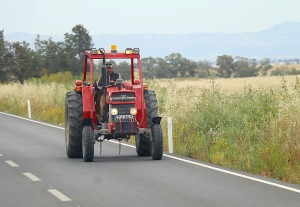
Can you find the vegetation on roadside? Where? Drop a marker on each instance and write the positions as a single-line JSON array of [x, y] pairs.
[[47, 100], [254, 129]]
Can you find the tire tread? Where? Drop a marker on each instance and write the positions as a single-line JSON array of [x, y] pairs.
[[73, 118]]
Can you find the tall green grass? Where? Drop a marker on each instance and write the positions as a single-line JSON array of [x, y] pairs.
[[254, 130]]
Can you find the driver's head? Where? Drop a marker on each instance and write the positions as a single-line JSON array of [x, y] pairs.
[[109, 67]]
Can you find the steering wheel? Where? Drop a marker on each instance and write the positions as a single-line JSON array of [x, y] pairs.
[[111, 84]]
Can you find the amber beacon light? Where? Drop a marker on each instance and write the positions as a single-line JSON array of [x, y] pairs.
[[113, 48]]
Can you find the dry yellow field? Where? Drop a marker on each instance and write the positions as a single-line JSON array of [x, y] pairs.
[[289, 66], [234, 84]]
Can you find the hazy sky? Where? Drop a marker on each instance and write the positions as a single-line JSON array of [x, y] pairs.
[[145, 16]]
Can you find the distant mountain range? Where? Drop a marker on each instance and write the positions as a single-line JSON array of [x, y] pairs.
[[279, 42]]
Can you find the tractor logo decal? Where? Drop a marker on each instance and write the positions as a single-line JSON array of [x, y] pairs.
[[123, 97]]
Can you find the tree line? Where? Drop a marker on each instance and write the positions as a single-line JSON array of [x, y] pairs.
[[19, 62]]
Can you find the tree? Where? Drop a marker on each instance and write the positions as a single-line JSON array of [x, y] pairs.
[[174, 61], [3, 63], [188, 68], [226, 67], [75, 45], [149, 66], [155, 68], [22, 61], [148, 63], [162, 70], [244, 67], [124, 69], [264, 66], [180, 66], [203, 69], [50, 55]]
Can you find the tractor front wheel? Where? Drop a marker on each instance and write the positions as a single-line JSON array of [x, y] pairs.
[[156, 142], [156, 136], [142, 144], [88, 142]]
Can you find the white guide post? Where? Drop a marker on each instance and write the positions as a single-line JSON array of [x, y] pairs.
[[170, 138], [29, 109]]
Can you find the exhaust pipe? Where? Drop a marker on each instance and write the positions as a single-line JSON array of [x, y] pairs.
[[103, 73]]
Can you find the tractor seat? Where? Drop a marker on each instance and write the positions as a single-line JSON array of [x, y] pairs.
[[137, 82]]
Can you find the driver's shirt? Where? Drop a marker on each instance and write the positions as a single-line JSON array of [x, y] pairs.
[[110, 77]]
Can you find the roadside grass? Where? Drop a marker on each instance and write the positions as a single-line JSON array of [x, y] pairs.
[[250, 129], [249, 124], [47, 100]]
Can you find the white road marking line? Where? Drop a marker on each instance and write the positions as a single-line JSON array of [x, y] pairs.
[[236, 174], [59, 195], [188, 161], [1, 155], [117, 142], [224, 171], [11, 163], [32, 120], [31, 176]]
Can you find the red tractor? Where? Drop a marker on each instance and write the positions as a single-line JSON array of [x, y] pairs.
[[131, 109]]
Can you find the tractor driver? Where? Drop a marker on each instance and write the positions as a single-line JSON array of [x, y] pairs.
[[112, 76]]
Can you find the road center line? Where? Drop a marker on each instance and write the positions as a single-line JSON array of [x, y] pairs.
[[188, 161], [11, 163], [59, 195], [31, 176]]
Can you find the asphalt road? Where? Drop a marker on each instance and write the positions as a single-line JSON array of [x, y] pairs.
[[35, 172]]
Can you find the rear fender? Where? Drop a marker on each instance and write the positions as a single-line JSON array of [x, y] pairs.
[[156, 120]]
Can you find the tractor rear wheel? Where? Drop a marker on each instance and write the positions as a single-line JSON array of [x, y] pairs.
[[142, 143], [88, 142], [73, 124], [156, 140], [151, 106]]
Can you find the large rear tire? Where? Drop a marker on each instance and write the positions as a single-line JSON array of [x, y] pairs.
[[151, 106], [142, 143], [156, 140], [73, 124], [88, 142]]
